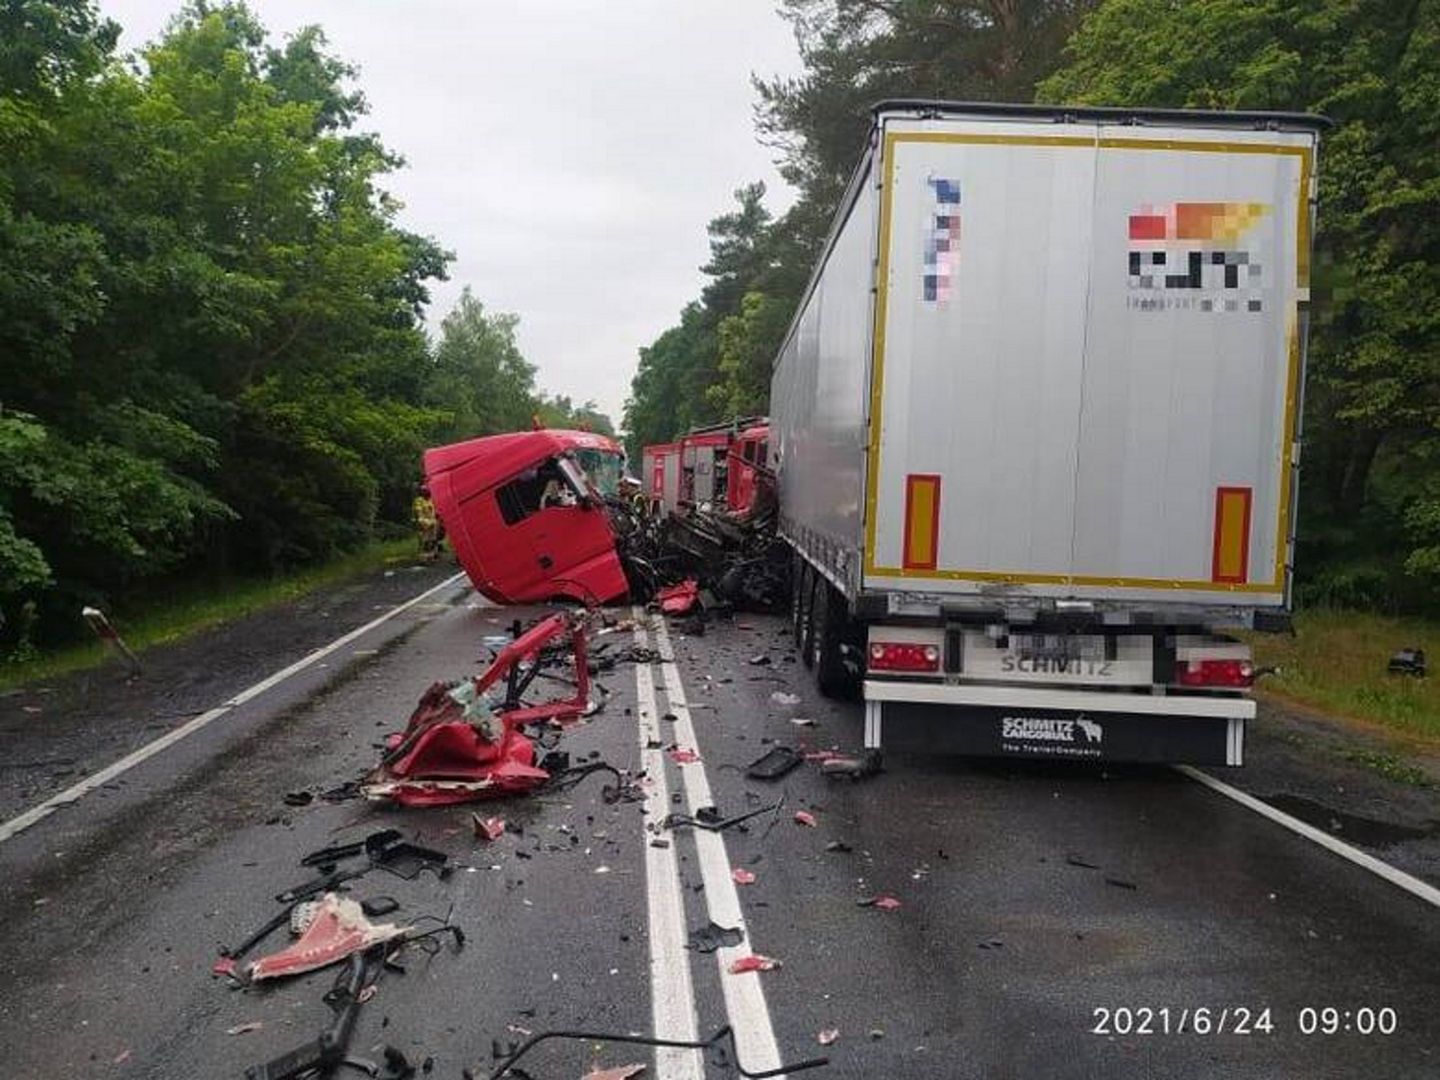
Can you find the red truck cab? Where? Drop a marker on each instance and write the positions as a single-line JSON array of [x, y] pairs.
[[748, 452], [525, 515]]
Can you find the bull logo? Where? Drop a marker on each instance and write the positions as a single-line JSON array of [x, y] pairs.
[[1092, 731]]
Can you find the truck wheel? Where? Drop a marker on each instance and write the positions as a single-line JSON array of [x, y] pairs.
[[827, 635], [797, 593], [806, 630]]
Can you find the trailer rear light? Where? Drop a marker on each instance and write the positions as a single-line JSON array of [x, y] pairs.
[[1237, 673], [903, 656]]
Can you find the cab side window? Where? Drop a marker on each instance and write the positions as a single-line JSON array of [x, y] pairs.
[[527, 493]]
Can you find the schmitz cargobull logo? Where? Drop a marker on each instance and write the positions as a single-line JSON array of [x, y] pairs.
[[1067, 736], [1198, 256]]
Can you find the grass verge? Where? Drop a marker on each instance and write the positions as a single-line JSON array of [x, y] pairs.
[[180, 612], [1336, 663]]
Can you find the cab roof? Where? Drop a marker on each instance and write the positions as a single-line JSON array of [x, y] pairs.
[[497, 458]]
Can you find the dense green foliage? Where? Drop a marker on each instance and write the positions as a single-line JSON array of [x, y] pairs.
[[212, 355], [1370, 488], [1370, 493]]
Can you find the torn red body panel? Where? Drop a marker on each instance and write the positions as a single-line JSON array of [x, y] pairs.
[[679, 599], [338, 929], [461, 745]]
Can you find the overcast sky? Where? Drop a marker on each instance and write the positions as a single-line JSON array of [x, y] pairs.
[[569, 152]]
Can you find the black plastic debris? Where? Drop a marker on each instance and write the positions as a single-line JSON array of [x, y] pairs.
[[721, 1047], [333, 854], [408, 861], [774, 763], [1076, 860], [299, 798], [1121, 883], [709, 818], [1408, 662], [712, 936]]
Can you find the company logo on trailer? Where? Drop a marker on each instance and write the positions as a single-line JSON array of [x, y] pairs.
[[1048, 729], [1196, 256]]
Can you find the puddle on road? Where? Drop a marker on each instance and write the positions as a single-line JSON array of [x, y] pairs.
[[1352, 827]]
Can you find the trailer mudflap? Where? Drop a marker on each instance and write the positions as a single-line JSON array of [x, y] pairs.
[[1062, 732]]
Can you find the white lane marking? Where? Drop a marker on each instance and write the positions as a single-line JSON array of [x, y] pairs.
[[672, 997], [1414, 885], [744, 994], [83, 787]]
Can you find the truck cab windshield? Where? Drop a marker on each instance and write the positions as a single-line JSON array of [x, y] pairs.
[[604, 468]]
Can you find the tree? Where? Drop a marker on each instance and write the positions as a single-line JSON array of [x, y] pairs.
[[209, 319], [1370, 490], [480, 378]]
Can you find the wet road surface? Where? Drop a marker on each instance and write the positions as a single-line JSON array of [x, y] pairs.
[[1035, 903]]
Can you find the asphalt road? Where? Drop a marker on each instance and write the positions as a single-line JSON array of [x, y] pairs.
[[1029, 897]]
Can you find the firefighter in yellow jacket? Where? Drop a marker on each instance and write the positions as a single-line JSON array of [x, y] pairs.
[[427, 524]]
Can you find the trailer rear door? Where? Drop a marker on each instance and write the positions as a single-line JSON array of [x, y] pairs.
[[1087, 359]]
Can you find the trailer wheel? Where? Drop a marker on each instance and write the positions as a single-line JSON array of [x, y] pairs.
[[798, 569], [805, 631], [828, 626]]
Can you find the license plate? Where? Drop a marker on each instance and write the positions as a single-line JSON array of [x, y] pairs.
[[1062, 656]]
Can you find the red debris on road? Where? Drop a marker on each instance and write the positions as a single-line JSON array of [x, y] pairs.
[[338, 929], [679, 599], [753, 963]]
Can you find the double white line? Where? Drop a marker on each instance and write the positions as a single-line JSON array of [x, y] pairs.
[[671, 989]]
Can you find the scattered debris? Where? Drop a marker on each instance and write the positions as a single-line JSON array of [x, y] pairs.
[[683, 756], [753, 962], [774, 763], [1121, 883], [244, 1029], [782, 697], [721, 1045], [339, 929], [377, 906], [759, 660], [407, 860], [741, 876], [1408, 662], [709, 818], [1076, 860], [299, 798], [991, 943], [828, 1036], [802, 721], [372, 843], [839, 847], [461, 744], [622, 1072], [491, 828], [863, 765], [712, 936], [804, 817], [884, 902], [679, 599]]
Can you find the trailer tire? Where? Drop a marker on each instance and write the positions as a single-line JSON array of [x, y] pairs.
[[797, 617], [805, 631], [827, 635]]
